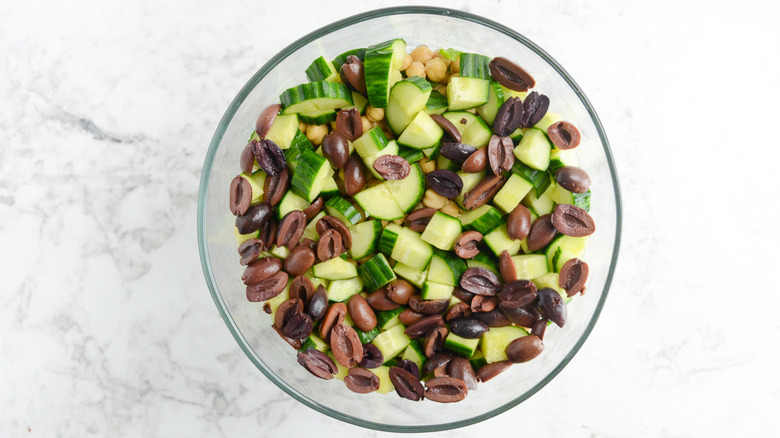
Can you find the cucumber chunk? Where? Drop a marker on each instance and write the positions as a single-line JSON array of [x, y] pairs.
[[319, 117], [365, 237], [463, 346], [371, 142], [436, 104], [366, 337], [483, 219], [377, 202], [411, 250], [335, 269], [415, 353], [410, 155], [474, 131], [407, 98], [412, 275], [499, 241], [446, 268], [495, 341], [315, 96], [465, 93], [341, 59], [530, 266], [386, 319], [422, 133], [563, 196], [473, 65], [514, 190], [381, 65], [343, 210], [390, 149], [534, 149], [290, 202], [496, 98], [388, 238], [257, 182], [540, 179], [436, 291], [310, 175], [573, 247], [283, 130], [342, 290], [392, 342], [541, 205], [321, 70], [385, 384], [470, 180], [442, 231], [408, 192], [299, 144], [376, 272]]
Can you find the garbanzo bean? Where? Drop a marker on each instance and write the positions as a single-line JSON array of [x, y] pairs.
[[421, 54], [375, 114], [416, 69], [315, 133], [407, 62], [436, 69], [434, 200]]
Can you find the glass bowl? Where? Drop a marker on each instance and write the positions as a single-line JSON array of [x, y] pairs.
[[251, 327]]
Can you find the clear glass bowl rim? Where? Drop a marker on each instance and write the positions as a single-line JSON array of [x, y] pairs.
[[230, 113]]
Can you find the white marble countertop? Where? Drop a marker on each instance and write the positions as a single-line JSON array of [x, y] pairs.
[[108, 329]]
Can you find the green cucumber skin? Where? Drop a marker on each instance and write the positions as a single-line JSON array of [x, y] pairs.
[[303, 178], [366, 337], [378, 67], [376, 272], [437, 103], [345, 208], [299, 144], [582, 200], [410, 155], [473, 65], [540, 179], [383, 316], [320, 70], [319, 119], [341, 59], [457, 265], [387, 240], [315, 90]]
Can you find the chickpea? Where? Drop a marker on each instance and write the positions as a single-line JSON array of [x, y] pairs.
[[315, 133], [302, 126], [422, 54], [436, 69], [407, 62], [428, 166], [375, 114], [434, 200], [399, 221], [366, 123], [455, 65], [416, 69], [451, 209]]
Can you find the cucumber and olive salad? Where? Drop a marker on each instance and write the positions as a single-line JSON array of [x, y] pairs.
[[413, 222]]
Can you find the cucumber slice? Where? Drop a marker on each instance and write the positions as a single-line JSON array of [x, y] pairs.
[[480, 264], [290, 202], [572, 247], [410, 155], [495, 341], [359, 102], [280, 252], [415, 353], [442, 231], [541, 205], [473, 65], [412, 275], [474, 131], [444, 163], [499, 241], [407, 98], [422, 133], [465, 93], [436, 291], [241, 238], [436, 104], [408, 192], [446, 268], [371, 142], [335, 269], [299, 144], [315, 342], [310, 232], [530, 266], [381, 65], [342, 290], [512, 93], [463, 346], [376, 272], [283, 130], [477, 360], [540, 179], [483, 219], [550, 280], [496, 98], [343, 210], [377, 202], [315, 96], [330, 188], [321, 70], [385, 384], [514, 190], [560, 158], [534, 149], [388, 238], [470, 180], [411, 250], [319, 117], [310, 175], [392, 342], [390, 149], [366, 337], [257, 182], [548, 119], [341, 59], [563, 196], [365, 237], [387, 319]]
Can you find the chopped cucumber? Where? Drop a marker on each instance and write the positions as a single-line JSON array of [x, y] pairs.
[[550, 280], [473, 65], [473, 130], [319, 117], [391, 342], [335, 269], [415, 353], [290, 202], [534, 149], [563, 196], [410, 155], [462, 346], [436, 291], [465, 93], [342, 290], [548, 119], [315, 342], [442, 231], [496, 98], [382, 64], [436, 104], [280, 252], [343, 210], [560, 158], [495, 341], [241, 238], [514, 190], [530, 266], [299, 144], [477, 360], [365, 236], [407, 98], [385, 384], [257, 182], [342, 370], [408, 192], [330, 188], [388, 238], [483, 219], [276, 301], [377, 202], [387, 319], [341, 59], [310, 232], [411, 250], [470, 180], [371, 142], [446, 268], [499, 241], [412, 275], [376, 272], [310, 175], [540, 179], [315, 96], [540, 204], [574, 247], [422, 133], [283, 130], [366, 337], [321, 70]]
